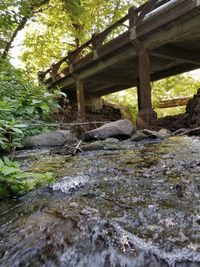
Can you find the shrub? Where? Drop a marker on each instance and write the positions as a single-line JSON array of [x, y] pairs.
[[21, 101], [14, 182]]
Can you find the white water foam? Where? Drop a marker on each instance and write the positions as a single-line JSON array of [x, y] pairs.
[[69, 184]]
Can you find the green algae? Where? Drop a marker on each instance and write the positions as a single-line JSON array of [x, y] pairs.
[[60, 166]]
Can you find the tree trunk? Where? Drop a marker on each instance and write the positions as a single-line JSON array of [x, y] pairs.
[[20, 26]]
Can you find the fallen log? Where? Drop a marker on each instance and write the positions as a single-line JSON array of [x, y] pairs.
[[176, 102]]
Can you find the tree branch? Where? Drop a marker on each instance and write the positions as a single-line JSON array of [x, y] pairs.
[[16, 31], [21, 25]]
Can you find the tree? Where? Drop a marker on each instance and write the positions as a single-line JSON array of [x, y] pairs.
[[66, 25], [169, 88], [13, 19]]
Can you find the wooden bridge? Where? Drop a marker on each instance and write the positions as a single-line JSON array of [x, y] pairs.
[[159, 39]]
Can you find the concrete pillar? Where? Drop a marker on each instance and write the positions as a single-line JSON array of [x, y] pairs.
[[146, 114], [93, 103], [80, 97]]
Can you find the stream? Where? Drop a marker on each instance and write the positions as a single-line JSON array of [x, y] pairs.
[[135, 206]]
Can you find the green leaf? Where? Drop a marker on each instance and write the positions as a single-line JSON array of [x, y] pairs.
[[21, 125], [16, 130], [6, 161], [35, 101], [8, 171]]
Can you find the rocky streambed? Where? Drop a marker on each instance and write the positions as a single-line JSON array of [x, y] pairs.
[[125, 204]]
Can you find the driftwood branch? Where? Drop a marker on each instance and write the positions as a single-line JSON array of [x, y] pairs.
[[77, 148]]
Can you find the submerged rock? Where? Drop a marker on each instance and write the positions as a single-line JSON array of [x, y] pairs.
[[139, 136], [108, 144], [50, 139], [118, 129], [146, 134]]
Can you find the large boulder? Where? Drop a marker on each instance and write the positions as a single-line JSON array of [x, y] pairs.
[[50, 139], [120, 129]]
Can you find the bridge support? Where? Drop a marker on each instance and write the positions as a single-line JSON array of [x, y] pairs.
[[146, 114], [80, 98], [93, 103]]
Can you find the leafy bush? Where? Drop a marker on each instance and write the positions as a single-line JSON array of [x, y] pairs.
[[21, 98], [14, 182], [10, 134], [169, 88], [21, 101]]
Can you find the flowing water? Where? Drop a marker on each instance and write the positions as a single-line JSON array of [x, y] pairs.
[[137, 206]]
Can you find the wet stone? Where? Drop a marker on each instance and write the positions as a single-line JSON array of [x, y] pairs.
[[49, 139], [121, 129], [148, 135]]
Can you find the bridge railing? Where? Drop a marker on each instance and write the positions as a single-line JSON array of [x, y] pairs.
[[133, 19]]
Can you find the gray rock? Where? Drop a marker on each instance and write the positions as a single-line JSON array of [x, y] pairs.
[[152, 134], [118, 129], [50, 139], [165, 132], [139, 136], [146, 134], [108, 144]]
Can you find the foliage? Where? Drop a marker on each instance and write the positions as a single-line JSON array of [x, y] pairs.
[[21, 101], [10, 134], [21, 97], [32, 130], [14, 15], [47, 40], [172, 87], [14, 182], [126, 98]]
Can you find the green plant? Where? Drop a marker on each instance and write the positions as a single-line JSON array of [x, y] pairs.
[[21, 101], [35, 130], [21, 98], [10, 134], [14, 182]]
